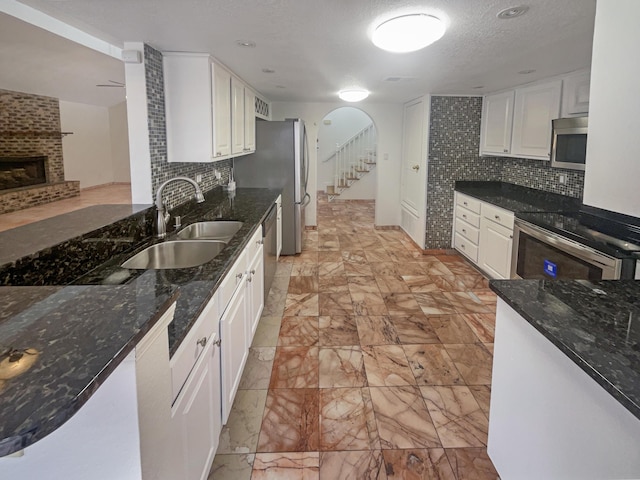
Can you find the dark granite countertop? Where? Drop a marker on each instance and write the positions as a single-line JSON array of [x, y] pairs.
[[83, 330], [516, 198], [595, 323]]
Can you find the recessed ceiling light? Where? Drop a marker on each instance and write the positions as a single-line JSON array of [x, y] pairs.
[[354, 95], [408, 33], [526, 72], [246, 43], [268, 70], [512, 12]]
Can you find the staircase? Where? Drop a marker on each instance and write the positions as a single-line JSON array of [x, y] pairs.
[[353, 159]]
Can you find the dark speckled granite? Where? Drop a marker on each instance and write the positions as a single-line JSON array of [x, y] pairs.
[[516, 198], [84, 331], [81, 334], [595, 323]]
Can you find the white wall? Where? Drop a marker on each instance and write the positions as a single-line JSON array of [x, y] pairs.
[[387, 119], [119, 143], [613, 150], [345, 123], [87, 153]]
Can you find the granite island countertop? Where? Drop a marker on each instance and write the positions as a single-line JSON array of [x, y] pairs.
[[596, 324], [66, 324]]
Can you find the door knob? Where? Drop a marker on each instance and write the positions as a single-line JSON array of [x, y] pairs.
[[416, 167]]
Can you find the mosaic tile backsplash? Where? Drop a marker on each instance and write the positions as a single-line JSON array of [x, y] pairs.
[[454, 143], [161, 169]]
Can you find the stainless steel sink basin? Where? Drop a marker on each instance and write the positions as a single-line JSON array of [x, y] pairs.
[[176, 254], [222, 230]]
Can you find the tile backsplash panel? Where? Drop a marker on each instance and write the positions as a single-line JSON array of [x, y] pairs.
[[539, 174], [161, 169], [454, 143]]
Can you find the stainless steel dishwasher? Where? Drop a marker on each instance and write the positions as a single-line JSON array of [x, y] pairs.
[[269, 237]]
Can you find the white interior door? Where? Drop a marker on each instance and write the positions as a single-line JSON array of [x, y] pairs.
[[414, 169]]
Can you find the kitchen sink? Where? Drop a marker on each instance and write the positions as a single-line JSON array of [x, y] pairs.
[[175, 254], [221, 230]]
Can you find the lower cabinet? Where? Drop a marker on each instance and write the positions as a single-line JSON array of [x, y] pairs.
[[255, 294], [233, 331], [483, 233], [197, 414], [279, 227]]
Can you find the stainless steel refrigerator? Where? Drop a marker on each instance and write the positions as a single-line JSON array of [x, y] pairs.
[[281, 161]]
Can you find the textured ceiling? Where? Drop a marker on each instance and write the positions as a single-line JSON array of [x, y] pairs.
[[318, 47]]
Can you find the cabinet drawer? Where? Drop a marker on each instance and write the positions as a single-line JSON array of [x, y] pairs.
[[232, 280], [193, 345], [498, 215], [468, 231], [468, 202], [468, 216], [253, 247], [465, 246]]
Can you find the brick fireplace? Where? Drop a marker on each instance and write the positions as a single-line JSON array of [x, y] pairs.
[[30, 135]]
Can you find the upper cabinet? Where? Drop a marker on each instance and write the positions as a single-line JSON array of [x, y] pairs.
[[517, 123], [205, 110], [497, 122], [533, 110], [575, 94], [243, 118]]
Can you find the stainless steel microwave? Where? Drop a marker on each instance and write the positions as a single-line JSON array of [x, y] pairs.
[[569, 147]]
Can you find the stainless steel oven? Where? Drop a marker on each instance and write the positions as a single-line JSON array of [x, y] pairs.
[[541, 254]]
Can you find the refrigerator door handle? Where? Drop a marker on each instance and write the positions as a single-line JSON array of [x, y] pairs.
[[306, 200]]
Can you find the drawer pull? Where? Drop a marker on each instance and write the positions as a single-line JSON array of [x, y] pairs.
[[253, 271], [462, 246], [464, 230], [464, 216], [497, 217], [218, 342], [239, 275], [506, 151], [218, 154], [464, 203], [202, 342], [259, 242], [249, 279]]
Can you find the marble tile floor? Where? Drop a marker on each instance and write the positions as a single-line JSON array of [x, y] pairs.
[[112, 194], [371, 361]]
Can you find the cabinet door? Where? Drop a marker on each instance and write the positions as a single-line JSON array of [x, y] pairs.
[[249, 121], [221, 111], [534, 109], [497, 121], [255, 294], [575, 94], [279, 228], [496, 242], [237, 116], [233, 332], [197, 414]]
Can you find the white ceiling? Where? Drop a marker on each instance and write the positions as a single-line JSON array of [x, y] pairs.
[[318, 47]]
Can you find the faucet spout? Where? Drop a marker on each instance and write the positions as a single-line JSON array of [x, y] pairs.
[[161, 223]]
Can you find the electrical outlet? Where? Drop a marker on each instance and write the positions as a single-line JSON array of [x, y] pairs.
[[198, 178], [562, 179]]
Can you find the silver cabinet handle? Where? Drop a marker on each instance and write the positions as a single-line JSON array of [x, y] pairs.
[[462, 245], [464, 230], [249, 279], [464, 203], [218, 342], [497, 217], [218, 154], [259, 242], [239, 275], [416, 167], [464, 216], [253, 272], [202, 342], [506, 151]]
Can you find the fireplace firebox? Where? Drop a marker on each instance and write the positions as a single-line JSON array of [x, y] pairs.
[[16, 172]]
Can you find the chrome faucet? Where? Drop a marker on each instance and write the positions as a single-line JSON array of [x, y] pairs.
[[163, 217]]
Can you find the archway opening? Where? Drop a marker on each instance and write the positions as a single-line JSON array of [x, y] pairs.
[[346, 156]]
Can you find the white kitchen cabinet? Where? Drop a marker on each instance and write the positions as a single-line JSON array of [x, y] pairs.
[[197, 108], [496, 241], [278, 226], [466, 237], [197, 414], [575, 94], [534, 108], [497, 123], [243, 118], [255, 292]]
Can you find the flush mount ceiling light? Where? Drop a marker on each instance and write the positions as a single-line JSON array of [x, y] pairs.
[[512, 12], [246, 43], [408, 33], [354, 95]]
